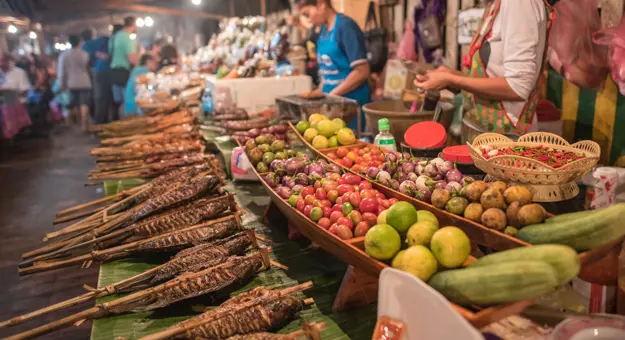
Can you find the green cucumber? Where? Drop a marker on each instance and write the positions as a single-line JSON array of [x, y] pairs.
[[571, 216], [496, 283], [598, 238], [563, 259], [562, 231]]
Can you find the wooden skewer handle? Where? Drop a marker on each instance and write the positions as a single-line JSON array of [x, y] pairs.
[[47, 328]]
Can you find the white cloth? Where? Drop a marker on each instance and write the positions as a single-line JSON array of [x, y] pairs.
[[15, 79], [517, 45]]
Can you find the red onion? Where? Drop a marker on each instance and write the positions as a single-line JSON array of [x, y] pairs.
[[294, 165], [284, 192], [440, 185]]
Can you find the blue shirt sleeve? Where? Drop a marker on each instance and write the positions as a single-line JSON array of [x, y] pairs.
[[90, 48], [351, 40]]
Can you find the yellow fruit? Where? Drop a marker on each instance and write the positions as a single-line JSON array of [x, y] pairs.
[[315, 117], [382, 217], [450, 246], [418, 261], [320, 142], [327, 128], [421, 233], [333, 142], [310, 134], [346, 136], [339, 122]]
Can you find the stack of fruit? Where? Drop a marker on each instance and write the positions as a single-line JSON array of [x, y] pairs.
[[344, 205], [264, 149], [357, 159], [324, 133], [436, 256], [278, 131], [494, 204]]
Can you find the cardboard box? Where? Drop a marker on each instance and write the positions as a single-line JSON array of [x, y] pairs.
[[400, 75]]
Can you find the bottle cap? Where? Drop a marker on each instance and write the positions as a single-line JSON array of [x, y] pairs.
[[383, 124]]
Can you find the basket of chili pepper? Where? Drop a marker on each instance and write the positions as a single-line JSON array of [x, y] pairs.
[[544, 161]]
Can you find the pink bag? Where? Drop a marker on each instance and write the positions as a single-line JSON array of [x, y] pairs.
[[406, 49], [571, 50], [614, 38]]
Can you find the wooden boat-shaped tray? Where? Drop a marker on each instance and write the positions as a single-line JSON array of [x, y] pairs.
[[477, 232]]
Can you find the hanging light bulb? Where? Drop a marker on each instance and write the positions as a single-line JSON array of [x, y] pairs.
[[68, 45], [110, 28], [133, 36], [12, 29], [196, 2], [149, 22], [140, 22], [32, 35]]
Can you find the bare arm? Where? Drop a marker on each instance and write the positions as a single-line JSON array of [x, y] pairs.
[[358, 75], [133, 58], [488, 88], [102, 55]]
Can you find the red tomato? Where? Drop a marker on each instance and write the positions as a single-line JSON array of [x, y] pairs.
[[346, 162], [367, 194], [355, 149], [365, 185], [337, 207], [332, 228], [393, 200], [375, 152], [324, 223], [340, 181], [339, 201], [361, 152], [317, 203], [342, 151], [352, 155], [346, 222], [359, 160], [300, 205], [326, 203], [335, 177], [335, 215], [317, 185], [358, 168], [309, 199], [355, 200], [308, 190], [367, 149], [380, 196], [372, 164], [333, 195], [332, 155], [307, 210], [355, 216], [345, 188], [361, 229], [326, 211], [370, 205], [370, 218], [385, 203], [321, 194]]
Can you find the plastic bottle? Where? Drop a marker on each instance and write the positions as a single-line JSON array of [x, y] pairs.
[[385, 139]]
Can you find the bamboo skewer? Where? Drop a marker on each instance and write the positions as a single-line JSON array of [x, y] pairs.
[[106, 308], [68, 218], [107, 199], [180, 328]]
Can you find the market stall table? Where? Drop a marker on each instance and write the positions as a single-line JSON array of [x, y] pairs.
[[304, 263]]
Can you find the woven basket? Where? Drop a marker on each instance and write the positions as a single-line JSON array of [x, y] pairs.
[[529, 171]]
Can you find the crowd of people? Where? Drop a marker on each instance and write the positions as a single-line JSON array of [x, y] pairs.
[[86, 84]]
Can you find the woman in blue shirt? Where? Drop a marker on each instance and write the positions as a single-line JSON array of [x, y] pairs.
[[147, 64], [341, 53]]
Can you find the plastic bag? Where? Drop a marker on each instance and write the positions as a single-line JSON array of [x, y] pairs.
[[406, 48], [614, 38], [571, 50]]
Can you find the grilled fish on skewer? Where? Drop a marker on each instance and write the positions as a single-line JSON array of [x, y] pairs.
[[310, 331], [236, 270], [190, 260], [172, 241]]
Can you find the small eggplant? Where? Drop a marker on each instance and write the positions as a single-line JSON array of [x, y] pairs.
[[373, 172]]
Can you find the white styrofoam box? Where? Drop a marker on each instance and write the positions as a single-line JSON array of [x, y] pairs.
[[258, 94]]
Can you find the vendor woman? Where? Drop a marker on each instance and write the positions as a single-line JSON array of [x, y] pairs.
[[504, 61], [341, 53]]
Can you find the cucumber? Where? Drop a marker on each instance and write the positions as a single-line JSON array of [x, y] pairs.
[[562, 231], [496, 283], [598, 238], [571, 216], [563, 259]]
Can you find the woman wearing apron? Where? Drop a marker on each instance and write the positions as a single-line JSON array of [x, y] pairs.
[[341, 53], [505, 60]]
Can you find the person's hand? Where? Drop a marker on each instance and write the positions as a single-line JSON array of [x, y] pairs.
[[433, 80], [443, 68]]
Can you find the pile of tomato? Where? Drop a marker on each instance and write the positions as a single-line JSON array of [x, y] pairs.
[[357, 159]]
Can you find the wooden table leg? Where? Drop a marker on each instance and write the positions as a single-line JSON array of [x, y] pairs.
[[357, 289]]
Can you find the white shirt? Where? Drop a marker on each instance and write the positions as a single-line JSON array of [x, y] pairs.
[[15, 79], [517, 45]]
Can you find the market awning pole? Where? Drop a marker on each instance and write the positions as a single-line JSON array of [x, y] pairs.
[[263, 8]]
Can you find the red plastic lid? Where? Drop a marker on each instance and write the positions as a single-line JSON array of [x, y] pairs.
[[457, 153], [425, 135]]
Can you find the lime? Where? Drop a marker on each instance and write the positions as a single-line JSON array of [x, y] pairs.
[[421, 233], [382, 242], [339, 122], [327, 128], [302, 126], [382, 217], [401, 216], [425, 215], [450, 246], [418, 261]]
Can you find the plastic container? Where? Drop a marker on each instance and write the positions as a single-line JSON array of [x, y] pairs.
[[428, 153], [384, 139], [400, 118], [426, 135], [461, 156]]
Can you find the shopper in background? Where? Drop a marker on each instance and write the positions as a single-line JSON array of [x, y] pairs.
[[157, 45], [102, 87], [13, 87], [74, 76], [147, 63], [123, 52], [168, 56], [341, 53]]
